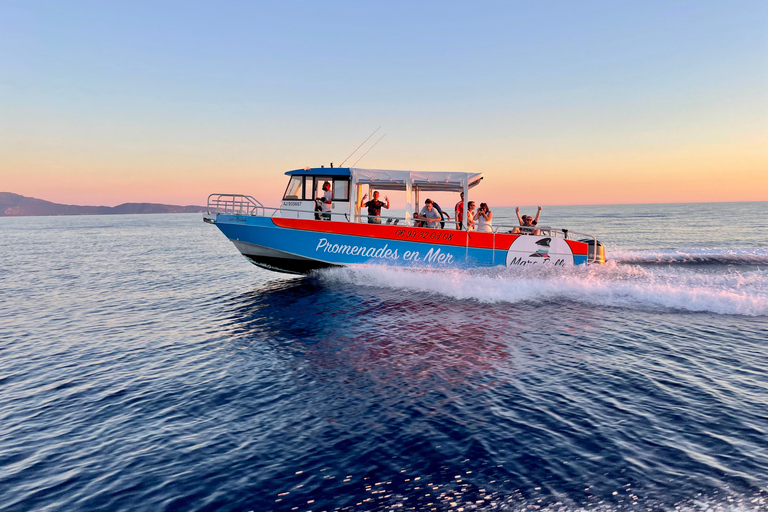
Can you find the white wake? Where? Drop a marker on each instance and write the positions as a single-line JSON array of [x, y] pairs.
[[692, 288]]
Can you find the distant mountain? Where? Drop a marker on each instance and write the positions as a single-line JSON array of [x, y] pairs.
[[15, 205]]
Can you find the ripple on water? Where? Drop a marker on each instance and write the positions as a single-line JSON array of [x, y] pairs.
[[139, 371]]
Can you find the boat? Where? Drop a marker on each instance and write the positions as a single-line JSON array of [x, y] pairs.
[[298, 237]]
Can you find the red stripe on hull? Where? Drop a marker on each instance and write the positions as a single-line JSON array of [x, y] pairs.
[[413, 234], [578, 248], [406, 233]]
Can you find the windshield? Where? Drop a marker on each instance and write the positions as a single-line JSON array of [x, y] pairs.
[[294, 190]]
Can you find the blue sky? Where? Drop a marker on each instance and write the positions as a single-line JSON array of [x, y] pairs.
[[111, 97]]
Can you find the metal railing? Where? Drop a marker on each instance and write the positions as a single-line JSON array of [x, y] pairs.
[[238, 204], [235, 204], [514, 229]]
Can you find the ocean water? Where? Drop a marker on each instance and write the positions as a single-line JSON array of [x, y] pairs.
[[146, 365]]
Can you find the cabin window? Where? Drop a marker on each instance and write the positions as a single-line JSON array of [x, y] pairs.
[[319, 181], [294, 190], [309, 186], [339, 187], [341, 190]]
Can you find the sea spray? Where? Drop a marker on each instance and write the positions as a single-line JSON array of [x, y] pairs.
[[692, 256], [611, 285]]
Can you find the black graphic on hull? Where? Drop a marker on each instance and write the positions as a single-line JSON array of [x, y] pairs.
[[539, 250], [543, 252]]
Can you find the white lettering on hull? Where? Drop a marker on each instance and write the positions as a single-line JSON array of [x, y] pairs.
[[434, 256]]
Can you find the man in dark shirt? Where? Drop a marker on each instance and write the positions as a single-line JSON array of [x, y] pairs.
[[374, 208]]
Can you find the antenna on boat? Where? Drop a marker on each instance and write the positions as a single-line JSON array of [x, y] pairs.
[[361, 145], [369, 150]]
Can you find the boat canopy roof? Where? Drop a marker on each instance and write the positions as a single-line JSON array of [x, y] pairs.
[[321, 171], [399, 180]]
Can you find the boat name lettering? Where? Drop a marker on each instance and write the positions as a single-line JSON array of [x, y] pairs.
[[424, 234], [434, 255], [357, 250], [544, 261], [237, 219], [291, 203]]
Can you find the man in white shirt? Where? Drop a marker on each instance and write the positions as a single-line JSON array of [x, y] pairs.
[[325, 201], [429, 215]]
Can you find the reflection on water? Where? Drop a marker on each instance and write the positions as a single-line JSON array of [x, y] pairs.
[[404, 337], [145, 365], [535, 402]]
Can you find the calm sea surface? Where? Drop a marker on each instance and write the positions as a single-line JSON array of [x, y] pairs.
[[146, 365]]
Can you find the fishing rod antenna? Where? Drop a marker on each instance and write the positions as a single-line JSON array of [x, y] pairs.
[[369, 149], [361, 145]]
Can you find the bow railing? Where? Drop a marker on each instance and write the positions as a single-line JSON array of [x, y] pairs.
[[235, 204]]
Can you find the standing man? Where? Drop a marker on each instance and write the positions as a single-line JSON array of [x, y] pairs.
[[326, 201], [459, 210], [374, 207]]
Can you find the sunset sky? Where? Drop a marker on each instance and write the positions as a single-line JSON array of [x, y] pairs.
[[572, 102]]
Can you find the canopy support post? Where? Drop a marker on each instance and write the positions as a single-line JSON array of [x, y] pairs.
[[408, 204], [465, 185]]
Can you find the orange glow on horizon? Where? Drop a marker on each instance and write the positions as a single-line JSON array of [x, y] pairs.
[[732, 173]]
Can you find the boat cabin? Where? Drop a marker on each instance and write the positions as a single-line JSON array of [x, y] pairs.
[[349, 185]]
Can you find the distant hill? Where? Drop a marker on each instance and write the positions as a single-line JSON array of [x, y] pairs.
[[15, 205]]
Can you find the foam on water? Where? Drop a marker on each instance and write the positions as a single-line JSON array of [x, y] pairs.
[[735, 291], [708, 256]]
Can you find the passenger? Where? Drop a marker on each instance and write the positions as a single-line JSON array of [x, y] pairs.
[[417, 223], [527, 223], [325, 201], [484, 218], [374, 208], [471, 215], [429, 216], [459, 211], [439, 211]]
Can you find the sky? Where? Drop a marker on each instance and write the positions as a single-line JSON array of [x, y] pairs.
[[557, 102]]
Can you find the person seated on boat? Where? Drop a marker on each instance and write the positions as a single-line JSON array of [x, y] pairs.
[[459, 211], [417, 223], [526, 226], [484, 219], [527, 223], [325, 201], [471, 216], [374, 208], [429, 216]]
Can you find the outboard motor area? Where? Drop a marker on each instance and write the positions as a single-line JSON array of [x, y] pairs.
[[596, 251]]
